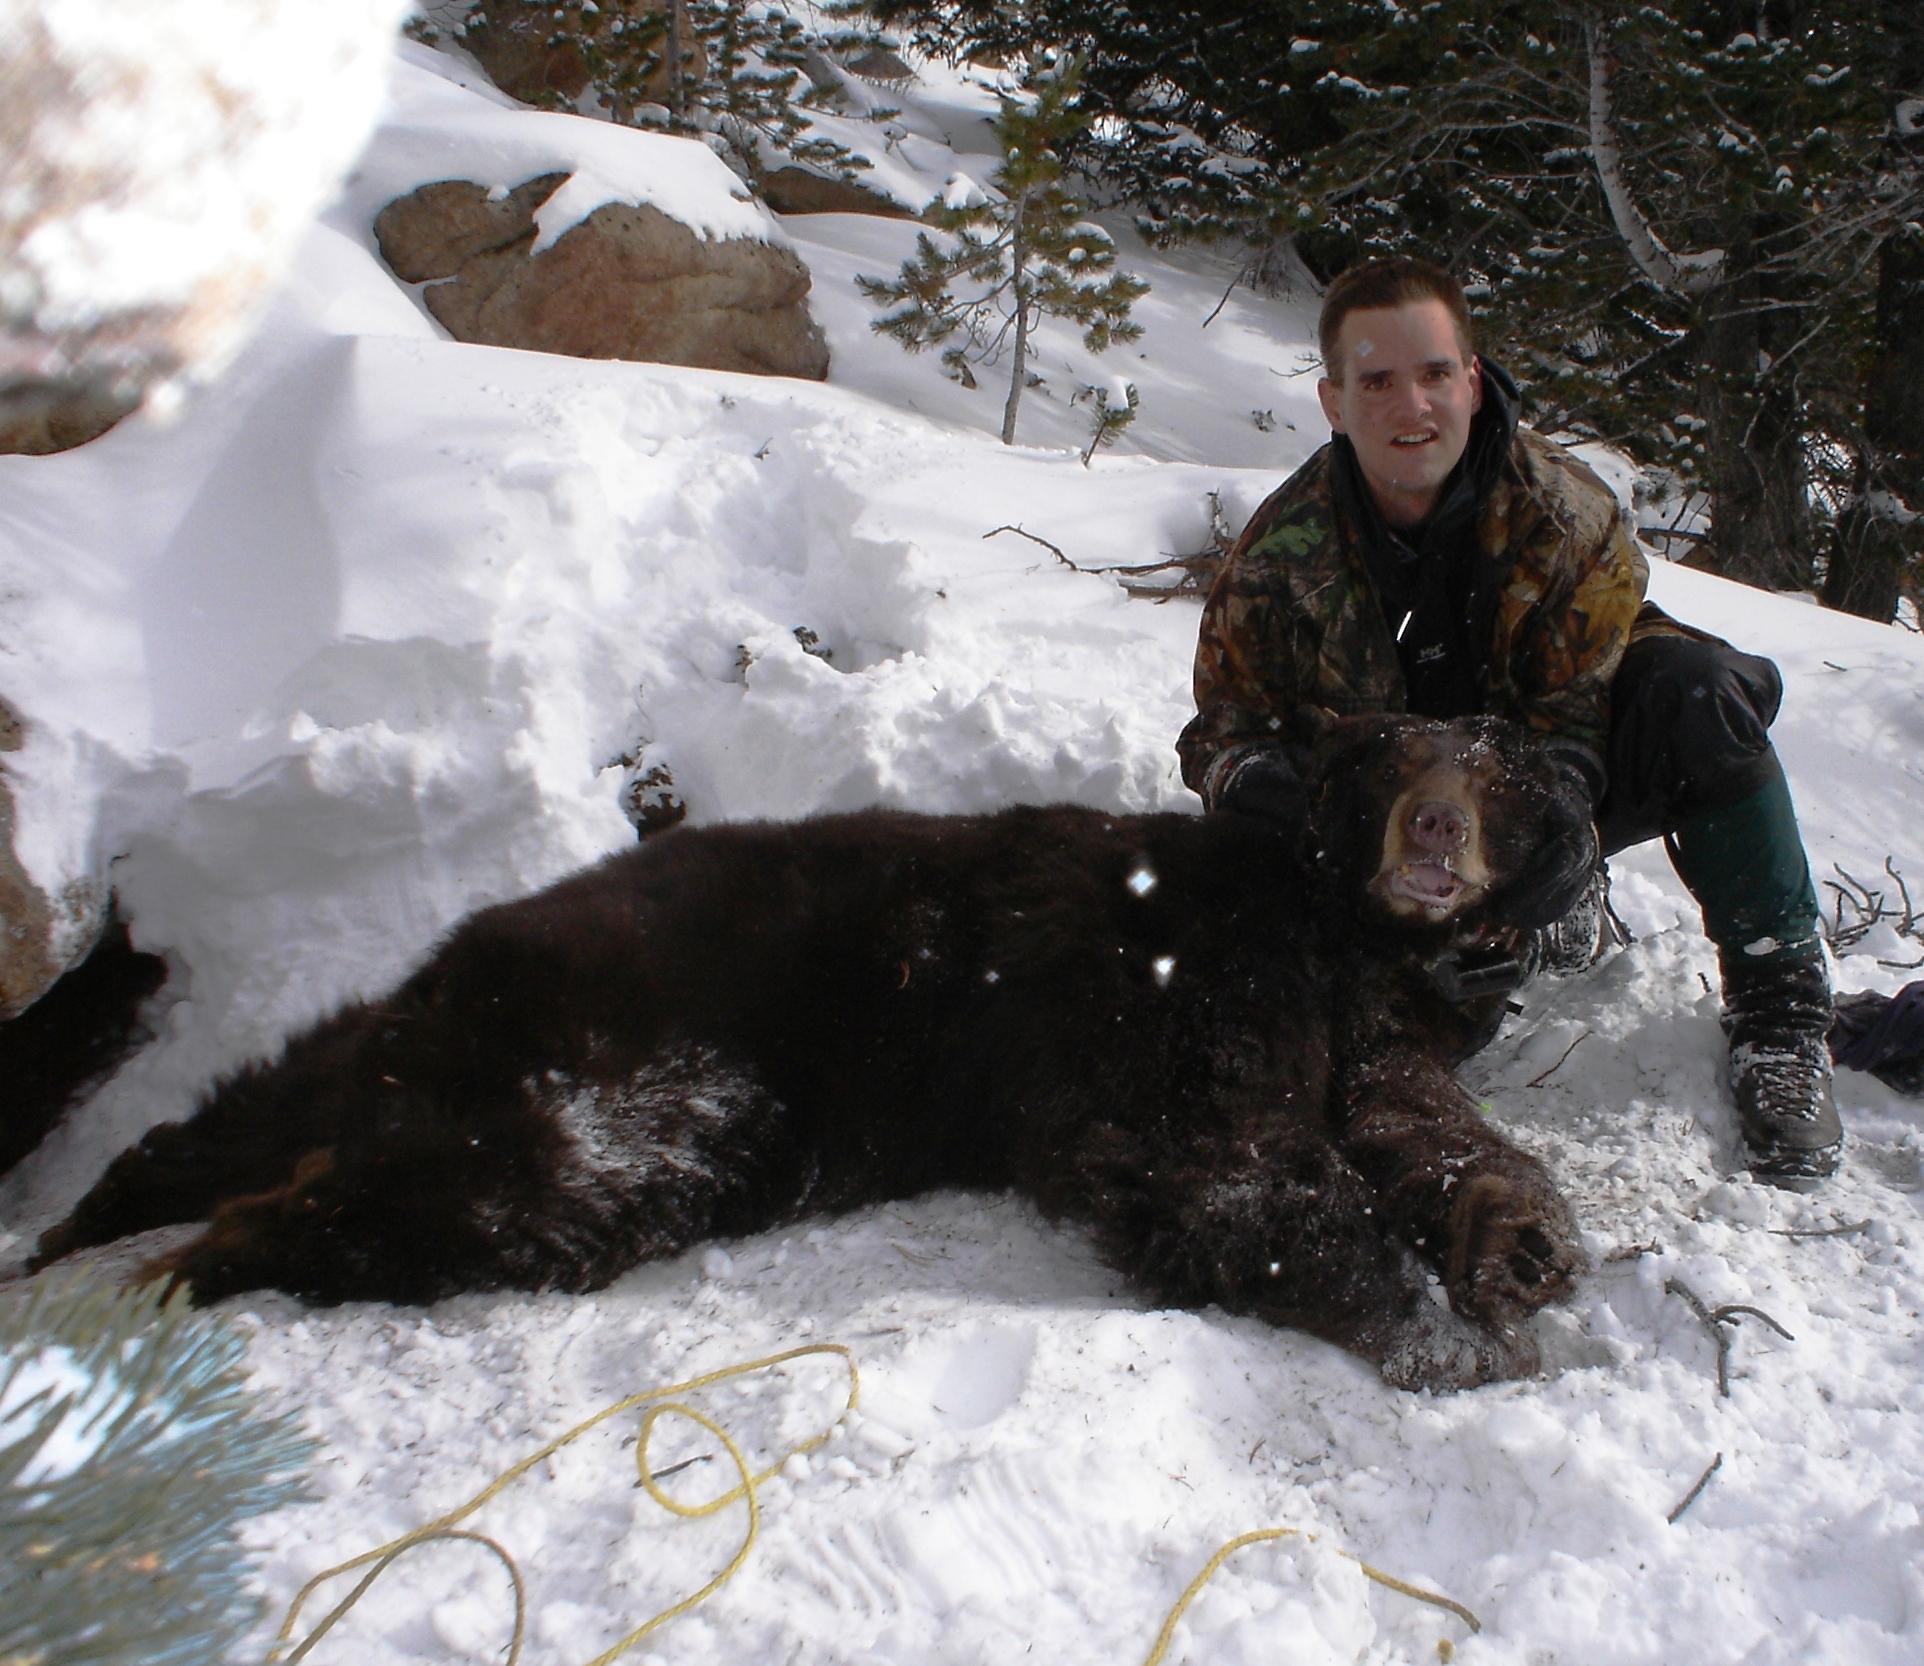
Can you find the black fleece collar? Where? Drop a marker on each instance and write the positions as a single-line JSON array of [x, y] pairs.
[[1432, 580]]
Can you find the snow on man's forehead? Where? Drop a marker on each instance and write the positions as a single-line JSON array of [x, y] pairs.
[[1365, 347]]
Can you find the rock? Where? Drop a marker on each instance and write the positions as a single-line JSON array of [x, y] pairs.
[[433, 232], [884, 64], [40, 935], [626, 282], [72, 1037], [795, 190], [59, 416], [525, 59], [524, 62]]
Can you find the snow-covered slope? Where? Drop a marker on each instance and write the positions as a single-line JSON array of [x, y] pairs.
[[376, 632]]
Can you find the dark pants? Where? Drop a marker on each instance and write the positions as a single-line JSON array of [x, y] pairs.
[[1689, 733]]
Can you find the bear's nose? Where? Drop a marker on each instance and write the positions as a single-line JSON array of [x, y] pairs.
[[1439, 826]]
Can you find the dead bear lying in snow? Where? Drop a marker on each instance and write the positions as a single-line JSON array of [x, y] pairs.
[[1208, 1039]]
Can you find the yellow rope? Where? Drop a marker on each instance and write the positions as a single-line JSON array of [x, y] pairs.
[[1263, 1534], [746, 1488], [443, 1527]]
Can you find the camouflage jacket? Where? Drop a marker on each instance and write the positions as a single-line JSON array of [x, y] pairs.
[[1294, 618]]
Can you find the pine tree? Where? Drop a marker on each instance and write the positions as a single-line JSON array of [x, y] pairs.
[[737, 69], [1180, 96], [1010, 260], [758, 56], [130, 1447], [1770, 146], [1669, 216]]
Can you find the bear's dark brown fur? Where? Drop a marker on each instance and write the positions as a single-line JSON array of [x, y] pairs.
[[1210, 1039]]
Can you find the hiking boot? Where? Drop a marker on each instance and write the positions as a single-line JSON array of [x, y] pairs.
[[1777, 1018]]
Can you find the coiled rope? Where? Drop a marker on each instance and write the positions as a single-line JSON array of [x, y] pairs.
[[661, 1404]]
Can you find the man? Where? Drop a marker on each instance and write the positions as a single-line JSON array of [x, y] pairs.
[[1436, 557]]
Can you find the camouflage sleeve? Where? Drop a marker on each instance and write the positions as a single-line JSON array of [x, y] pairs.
[[1248, 672], [1572, 600]]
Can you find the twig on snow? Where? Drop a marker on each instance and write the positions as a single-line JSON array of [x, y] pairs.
[[1690, 1497], [1632, 1252], [1870, 908], [1538, 1081], [1712, 1319], [1198, 570], [1044, 542]]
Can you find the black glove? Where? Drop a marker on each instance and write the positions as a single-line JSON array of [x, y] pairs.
[[1267, 784], [1568, 855]]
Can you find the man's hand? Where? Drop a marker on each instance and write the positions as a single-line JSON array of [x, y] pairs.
[[1567, 857], [1267, 784]]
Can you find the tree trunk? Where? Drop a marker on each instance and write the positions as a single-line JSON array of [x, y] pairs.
[[1880, 535], [1763, 530], [677, 90], [1019, 288], [1881, 532]]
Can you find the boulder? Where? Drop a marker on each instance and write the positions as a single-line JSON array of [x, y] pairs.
[[795, 190], [433, 232], [527, 59], [57, 416], [40, 935], [626, 282], [884, 64]]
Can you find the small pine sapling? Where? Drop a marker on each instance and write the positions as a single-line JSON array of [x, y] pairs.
[[130, 1447], [1010, 260], [1108, 419]]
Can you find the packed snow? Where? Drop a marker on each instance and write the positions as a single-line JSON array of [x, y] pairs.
[[381, 628]]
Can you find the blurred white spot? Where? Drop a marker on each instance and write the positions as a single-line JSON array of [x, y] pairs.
[[1142, 882], [1164, 966]]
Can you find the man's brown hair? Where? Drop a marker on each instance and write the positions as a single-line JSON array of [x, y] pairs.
[[1393, 281]]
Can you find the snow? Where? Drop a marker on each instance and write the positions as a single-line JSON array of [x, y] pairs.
[[375, 632], [439, 110]]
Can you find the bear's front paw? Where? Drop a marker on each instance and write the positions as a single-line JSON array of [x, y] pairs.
[[1435, 1349], [1513, 1249]]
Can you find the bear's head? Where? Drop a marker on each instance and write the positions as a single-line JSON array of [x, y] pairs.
[[1426, 823]]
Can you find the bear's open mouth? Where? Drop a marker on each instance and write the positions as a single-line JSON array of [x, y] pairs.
[[1429, 884]]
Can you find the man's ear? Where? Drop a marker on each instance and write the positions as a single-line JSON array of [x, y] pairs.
[[1332, 399], [1476, 384]]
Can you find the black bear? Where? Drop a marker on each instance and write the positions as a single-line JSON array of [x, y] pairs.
[[1211, 1039]]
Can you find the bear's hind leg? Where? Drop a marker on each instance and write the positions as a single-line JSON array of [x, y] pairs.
[[552, 1183], [182, 1171]]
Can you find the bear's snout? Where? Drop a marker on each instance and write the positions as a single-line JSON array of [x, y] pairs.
[[1440, 827], [1434, 864]]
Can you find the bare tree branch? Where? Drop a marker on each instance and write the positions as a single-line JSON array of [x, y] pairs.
[[1685, 275]]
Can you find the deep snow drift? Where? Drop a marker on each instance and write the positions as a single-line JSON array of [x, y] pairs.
[[377, 632]]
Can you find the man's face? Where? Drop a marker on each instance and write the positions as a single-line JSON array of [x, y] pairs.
[[1406, 397]]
